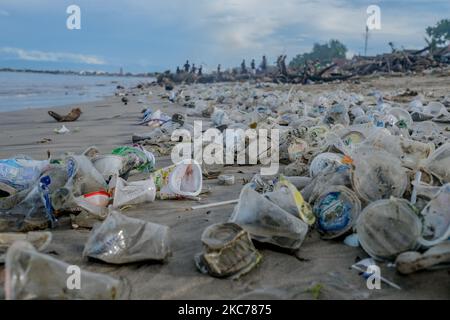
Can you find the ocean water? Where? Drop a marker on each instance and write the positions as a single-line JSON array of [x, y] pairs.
[[19, 90]]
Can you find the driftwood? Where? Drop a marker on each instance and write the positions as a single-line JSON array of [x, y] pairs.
[[399, 61]]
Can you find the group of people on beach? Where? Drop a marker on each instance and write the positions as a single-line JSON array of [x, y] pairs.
[[188, 68]]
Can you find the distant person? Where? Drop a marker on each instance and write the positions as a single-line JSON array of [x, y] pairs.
[[200, 71], [243, 67], [194, 69], [263, 65], [283, 65], [219, 67], [253, 66], [178, 70], [187, 66], [279, 63]]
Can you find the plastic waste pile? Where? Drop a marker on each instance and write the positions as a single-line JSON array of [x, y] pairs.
[[365, 166], [361, 169]]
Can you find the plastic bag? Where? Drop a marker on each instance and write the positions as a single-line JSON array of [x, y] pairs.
[[30, 275], [21, 173], [387, 228], [228, 251], [120, 239], [132, 193], [267, 222], [141, 159], [179, 181]]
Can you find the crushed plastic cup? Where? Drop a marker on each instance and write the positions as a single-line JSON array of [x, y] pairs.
[[353, 139], [322, 162], [226, 179], [434, 258], [99, 198], [337, 114], [30, 275], [335, 175], [83, 176], [411, 153], [377, 175], [179, 181], [436, 218], [296, 149], [93, 204], [228, 251], [336, 210], [428, 131], [110, 165], [39, 239], [401, 115], [434, 108], [438, 163], [219, 118], [267, 222], [121, 239], [286, 196], [133, 193], [388, 227]]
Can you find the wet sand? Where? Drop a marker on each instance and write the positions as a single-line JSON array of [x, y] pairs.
[[108, 123]]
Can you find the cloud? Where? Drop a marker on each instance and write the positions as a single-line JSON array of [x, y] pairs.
[[4, 13], [34, 55]]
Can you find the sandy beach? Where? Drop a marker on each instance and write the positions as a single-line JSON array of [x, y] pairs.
[[107, 124]]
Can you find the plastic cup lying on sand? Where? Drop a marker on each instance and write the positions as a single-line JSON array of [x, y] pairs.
[[438, 163], [377, 175], [121, 239], [110, 165], [179, 181], [336, 209], [436, 218], [228, 251], [322, 162], [389, 227], [99, 198], [267, 222], [83, 176], [30, 275], [287, 196], [133, 193]]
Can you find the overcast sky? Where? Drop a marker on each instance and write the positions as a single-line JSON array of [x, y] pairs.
[[151, 35]]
